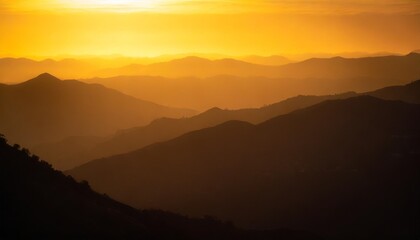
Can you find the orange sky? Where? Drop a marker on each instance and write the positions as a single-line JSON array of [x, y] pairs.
[[231, 27]]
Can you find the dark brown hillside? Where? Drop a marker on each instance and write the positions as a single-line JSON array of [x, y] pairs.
[[343, 168], [409, 93], [38, 202]]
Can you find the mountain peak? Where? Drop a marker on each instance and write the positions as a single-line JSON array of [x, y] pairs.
[[44, 78], [47, 76], [214, 109]]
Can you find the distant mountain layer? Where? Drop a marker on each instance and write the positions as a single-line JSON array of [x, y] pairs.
[[14, 70], [336, 67], [192, 66], [202, 84], [40, 203], [199, 83], [342, 168], [48, 109], [75, 151], [273, 60]]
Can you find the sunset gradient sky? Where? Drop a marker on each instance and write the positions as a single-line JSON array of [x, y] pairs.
[[231, 27]]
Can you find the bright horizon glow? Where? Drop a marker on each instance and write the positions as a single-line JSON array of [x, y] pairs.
[[118, 5], [219, 6], [225, 27]]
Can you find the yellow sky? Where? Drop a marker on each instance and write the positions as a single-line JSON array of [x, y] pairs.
[[232, 27], [206, 6]]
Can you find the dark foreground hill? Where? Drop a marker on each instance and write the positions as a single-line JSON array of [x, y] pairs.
[[38, 202], [47, 109], [342, 168]]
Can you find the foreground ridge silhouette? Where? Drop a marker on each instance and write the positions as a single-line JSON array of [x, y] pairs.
[[40, 202]]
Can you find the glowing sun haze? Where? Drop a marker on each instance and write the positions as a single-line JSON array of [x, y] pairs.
[[110, 4], [295, 6], [230, 27]]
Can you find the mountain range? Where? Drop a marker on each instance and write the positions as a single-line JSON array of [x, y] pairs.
[[334, 67], [346, 169], [15, 70], [340, 166], [273, 60], [201, 84], [193, 66], [47, 109], [74, 151], [77, 150]]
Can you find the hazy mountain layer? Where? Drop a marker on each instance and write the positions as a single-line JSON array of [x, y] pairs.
[[75, 151], [202, 84], [344, 168], [15, 70], [274, 60], [48, 109]]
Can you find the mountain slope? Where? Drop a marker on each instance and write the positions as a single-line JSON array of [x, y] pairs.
[[335, 67], [48, 109], [73, 151], [409, 93], [40, 203], [274, 60], [202, 84], [386, 67], [13, 70], [224, 91], [192, 66], [342, 168]]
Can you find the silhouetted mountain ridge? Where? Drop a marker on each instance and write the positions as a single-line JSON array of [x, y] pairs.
[[235, 85], [164, 129], [15, 70], [347, 169], [43, 78], [191, 60], [408, 93], [192, 66], [47, 109], [41, 203], [273, 60]]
